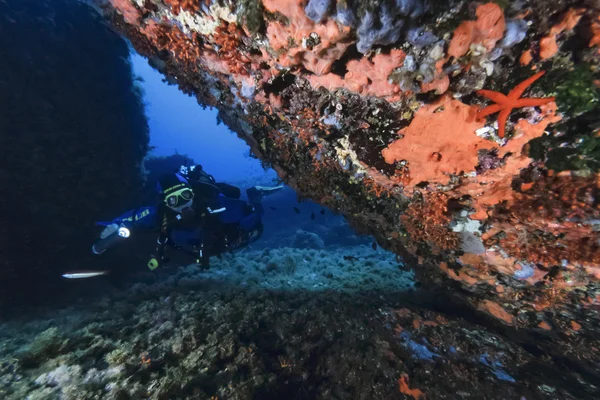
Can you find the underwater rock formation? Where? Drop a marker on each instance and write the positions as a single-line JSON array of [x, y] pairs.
[[261, 331], [307, 240], [74, 133], [381, 119]]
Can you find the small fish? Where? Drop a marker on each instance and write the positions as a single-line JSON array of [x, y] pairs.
[[312, 216], [350, 258], [272, 208], [296, 210], [83, 274], [374, 245], [322, 211]]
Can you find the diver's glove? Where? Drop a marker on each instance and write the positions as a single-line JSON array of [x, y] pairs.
[[109, 230]]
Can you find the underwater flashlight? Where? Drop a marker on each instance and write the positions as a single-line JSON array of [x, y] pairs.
[[124, 232], [101, 246]]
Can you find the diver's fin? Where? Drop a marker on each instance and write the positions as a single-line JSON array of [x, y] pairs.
[[268, 189]]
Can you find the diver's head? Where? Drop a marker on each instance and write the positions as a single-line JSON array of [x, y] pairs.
[[176, 193]]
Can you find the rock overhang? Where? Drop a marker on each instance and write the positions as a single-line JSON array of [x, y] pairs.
[[372, 108]]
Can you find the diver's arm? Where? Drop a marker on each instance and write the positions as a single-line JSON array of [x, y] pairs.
[[141, 217]]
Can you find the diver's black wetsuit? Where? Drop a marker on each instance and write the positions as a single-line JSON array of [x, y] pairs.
[[199, 230], [216, 236], [198, 175]]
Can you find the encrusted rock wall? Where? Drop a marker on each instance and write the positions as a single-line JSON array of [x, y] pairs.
[[462, 135]]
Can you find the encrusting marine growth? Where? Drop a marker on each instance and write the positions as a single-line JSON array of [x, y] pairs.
[[373, 108], [505, 104]]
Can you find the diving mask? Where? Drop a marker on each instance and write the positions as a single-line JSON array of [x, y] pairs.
[[179, 198]]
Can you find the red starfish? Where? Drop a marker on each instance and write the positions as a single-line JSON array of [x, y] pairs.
[[505, 104]]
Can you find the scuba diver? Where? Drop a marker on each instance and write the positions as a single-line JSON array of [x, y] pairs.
[[195, 214]]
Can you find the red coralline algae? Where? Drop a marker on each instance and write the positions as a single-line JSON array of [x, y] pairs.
[[428, 221], [292, 42], [170, 37], [486, 30], [489, 189], [526, 57], [548, 45], [128, 10], [461, 39], [499, 263], [546, 225], [490, 24], [439, 85], [545, 326], [462, 275], [228, 48], [308, 126], [185, 5], [497, 311], [440, 141], [405, 389], [494, 186], [151, 30], [483, 268], [366, 77]]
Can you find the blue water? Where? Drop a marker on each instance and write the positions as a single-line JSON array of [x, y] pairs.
[[179, 125]]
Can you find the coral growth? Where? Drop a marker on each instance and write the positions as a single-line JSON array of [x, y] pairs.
[[129, 11], [367, 77], [229, 49], [428, 221], [371, 108], [559, 212], [548, 44], [497, 311], [440, 141], [303, 42], [405, 389], [184, 5], [486, 30], [169, 37]]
